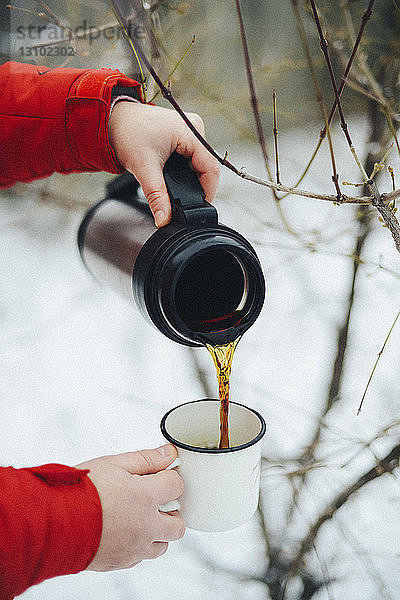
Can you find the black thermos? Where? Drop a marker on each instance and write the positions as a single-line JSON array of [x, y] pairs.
[[196, 280]]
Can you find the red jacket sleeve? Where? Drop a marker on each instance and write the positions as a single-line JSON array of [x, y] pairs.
[[56, 120], [50, 525]]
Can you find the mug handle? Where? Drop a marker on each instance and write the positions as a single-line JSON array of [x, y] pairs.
[[172, 504]]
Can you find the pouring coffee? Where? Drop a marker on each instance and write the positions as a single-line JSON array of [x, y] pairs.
[[196, 280]]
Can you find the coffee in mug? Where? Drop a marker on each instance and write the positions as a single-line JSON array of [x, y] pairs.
[[221, 484]]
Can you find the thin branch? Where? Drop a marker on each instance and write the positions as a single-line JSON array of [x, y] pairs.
[[372, 82], [324, 48], [390, 169], [256, 112], [278, 180], [385, 465], [320, 99], [180, 60], [52, 14], [387, 215], [253, 95], [366, 200], [308, 456], [365, 18], [376, 363]]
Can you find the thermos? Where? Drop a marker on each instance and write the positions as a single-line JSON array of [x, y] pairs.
[[196, 280]]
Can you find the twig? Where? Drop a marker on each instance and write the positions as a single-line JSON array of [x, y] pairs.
[[175, 67], [52, 14], [390, 169], [367, 445], [376, 363], [278, 180], [378, 166], [324, 48], [387, 215], [256, 112], [385, 465], [376, 88], [253, 95], [320, 99], [366, 17], [308, 455], [368, 200]]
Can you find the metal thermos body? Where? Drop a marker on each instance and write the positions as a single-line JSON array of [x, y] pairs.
[[195, 280]]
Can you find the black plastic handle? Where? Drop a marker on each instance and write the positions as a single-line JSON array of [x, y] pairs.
[[189, 205]]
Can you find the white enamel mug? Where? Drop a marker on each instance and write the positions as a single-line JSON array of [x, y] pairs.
[[221, 485]]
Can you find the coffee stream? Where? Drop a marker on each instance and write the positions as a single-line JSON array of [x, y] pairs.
[[222, 357]]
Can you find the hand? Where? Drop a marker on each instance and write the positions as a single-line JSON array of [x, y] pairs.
[[143, 138], [131, 487]]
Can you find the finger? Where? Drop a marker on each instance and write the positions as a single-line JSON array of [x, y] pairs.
[[164, 486], [172, 527], [197, 121], [157, 549], [144, 462], [150, 177], [209, 180], [205, 165]]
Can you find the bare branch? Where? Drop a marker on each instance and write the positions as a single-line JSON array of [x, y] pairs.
[[324, 48], [320, 100], [278, 180], [385, 465], [253, 95], [344, 80], [308, 456], [256, 112], [377, 92], [365, 18], [387, 215]]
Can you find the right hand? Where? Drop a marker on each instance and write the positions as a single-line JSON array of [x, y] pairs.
[[131, 487], [144, 137]]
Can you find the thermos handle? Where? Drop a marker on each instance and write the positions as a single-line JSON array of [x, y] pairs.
[[189, 206]]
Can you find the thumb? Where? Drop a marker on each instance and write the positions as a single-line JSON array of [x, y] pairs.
[[145, 462], [153, 185]]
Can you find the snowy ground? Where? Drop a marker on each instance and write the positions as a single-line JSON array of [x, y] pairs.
[[77, 382]]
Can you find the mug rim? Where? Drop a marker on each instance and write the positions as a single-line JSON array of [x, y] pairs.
[[185, 446]]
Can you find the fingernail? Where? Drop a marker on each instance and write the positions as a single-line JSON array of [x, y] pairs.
[[159, 217], [167, 450]]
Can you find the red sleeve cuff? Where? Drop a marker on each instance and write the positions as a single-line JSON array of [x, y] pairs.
[[50, 525], [87, 113]]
